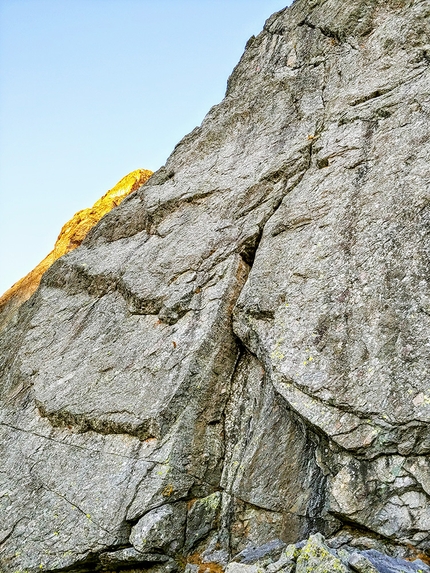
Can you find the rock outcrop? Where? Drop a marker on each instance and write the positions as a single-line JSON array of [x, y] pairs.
[[238, 353], [71, 236], [318, 556]]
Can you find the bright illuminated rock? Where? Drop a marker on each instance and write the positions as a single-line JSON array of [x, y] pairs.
[[71, 236]]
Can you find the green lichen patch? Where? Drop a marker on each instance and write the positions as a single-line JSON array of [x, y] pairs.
[[315, 557]]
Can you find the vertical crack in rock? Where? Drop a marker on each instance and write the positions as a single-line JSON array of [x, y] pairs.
[[271, 465]]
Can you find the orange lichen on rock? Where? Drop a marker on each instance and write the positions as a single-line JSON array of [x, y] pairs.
[[204, 567], [71, 236]]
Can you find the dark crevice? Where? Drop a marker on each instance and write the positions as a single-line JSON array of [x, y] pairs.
[[296, 223], [335, 36], [70, 445], [257, 507], [281, 227], [261, 313], [314, 518], [12, 530], [92, 563], [249, 248], [323, 162], [325, 31], [373, 95], [82, 423], [362, 530], [364, 452], [76, 278]]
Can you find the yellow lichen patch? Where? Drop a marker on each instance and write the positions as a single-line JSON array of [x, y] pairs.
[[168, 490], [71, 236]]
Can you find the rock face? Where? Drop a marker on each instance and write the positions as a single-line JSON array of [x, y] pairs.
[[71, 236], [239, 352], [317, 556]]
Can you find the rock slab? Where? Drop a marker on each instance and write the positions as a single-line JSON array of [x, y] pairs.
[[251, 324]]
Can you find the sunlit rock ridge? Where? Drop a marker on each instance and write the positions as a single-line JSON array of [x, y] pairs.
[[236, 358], [71, 236]]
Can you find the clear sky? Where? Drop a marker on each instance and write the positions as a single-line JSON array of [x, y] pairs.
[[93, 89]]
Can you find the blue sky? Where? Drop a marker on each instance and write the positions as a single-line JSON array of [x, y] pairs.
[[92, 89]]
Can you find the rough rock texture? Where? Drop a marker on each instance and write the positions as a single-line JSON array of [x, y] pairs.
[[316, 556], [71, 236], [251, 323]]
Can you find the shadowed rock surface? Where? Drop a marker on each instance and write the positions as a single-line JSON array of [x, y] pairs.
[[239, 352]]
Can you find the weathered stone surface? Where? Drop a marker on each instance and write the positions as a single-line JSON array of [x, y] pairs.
[[387, 564], [170, 566], [241, 568], [191, 568], [270, 463], [315, 557], [202, 518], [253, 321], [160, 530], [361, 564], [129, 557], [271, 550], [281, 566]]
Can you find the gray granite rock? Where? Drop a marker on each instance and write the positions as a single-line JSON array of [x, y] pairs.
[[270, 551], [315, 555], [160, 530], [241, 568], [253, 321], [360, 563], [283, 565], [386, 564], [129, 557]]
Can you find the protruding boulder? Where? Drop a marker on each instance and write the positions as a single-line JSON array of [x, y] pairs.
[[160, 530], [315, 557]]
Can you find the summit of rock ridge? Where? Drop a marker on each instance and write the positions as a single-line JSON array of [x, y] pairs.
[[236, 357], [71, 236]]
